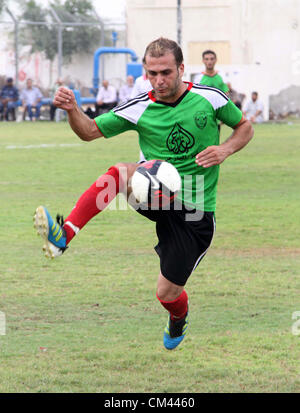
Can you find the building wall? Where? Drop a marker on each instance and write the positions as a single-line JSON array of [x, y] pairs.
[[257, 42]]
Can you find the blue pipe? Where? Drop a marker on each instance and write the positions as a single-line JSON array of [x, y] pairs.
[[102, 50]]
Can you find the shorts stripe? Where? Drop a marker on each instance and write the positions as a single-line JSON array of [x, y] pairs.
[[203, 254]]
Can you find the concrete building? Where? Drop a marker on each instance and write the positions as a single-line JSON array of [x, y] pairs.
[[257, 42]]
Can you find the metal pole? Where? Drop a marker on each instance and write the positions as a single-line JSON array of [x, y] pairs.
[[59, 41], [17, 53], [101, 26], [179, 22], [101, 40], [16, 46], [60, 52]]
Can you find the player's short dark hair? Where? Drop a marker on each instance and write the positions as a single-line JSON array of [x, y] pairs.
[[161, 46], [254, 93], [208, 51]]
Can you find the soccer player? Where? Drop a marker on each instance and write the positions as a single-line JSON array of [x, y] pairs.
[[176, 122], [210, 77]]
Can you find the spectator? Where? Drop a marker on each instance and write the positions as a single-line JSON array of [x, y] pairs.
[[253, 110], [31, 98], [126, 90], [106, 98], [141, 85], [8, 100], [53, 108], [236, 97]]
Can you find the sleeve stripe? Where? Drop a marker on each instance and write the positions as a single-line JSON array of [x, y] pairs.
[[98, 128], [211, 88], [139, 98], [243, 120]]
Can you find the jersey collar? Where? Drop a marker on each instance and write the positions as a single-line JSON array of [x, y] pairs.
[[173, 104]]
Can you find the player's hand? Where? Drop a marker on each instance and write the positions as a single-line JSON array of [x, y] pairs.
[[212, 155], [64, 99]]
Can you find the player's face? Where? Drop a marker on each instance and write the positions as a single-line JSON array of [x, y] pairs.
[[165, 77], [209, 61]]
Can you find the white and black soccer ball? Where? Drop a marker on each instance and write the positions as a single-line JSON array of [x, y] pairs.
[[156, 183]]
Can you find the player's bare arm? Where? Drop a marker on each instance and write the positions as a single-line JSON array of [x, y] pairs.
[[82, 125], [214, 155]]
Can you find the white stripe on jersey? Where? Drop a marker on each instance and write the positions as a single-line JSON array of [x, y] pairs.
[[134, 108], [215, 96]]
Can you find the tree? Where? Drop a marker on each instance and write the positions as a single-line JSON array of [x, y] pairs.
[[2, 5], [76, 39], [42, 38]]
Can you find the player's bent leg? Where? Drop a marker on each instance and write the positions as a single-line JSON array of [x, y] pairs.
[[174, 299], [96, 198], [92, 201], [52, 233]]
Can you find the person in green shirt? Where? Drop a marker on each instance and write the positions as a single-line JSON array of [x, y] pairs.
[[211, 77], [175, 122]]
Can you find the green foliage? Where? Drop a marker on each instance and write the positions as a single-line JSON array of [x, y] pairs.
[[80, 39], [2, 5], [76, 39], [42, 38]]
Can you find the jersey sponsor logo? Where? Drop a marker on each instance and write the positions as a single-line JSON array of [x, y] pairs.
[[180, 140], [200, 119]]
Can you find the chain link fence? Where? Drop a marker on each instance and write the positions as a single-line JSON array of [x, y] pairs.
[[68, 51]]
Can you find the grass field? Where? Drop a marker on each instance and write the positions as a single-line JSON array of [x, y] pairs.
[[89, 321]]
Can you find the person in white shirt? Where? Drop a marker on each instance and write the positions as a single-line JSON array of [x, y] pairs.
[[106, 98], [253, 110], [31, 98], [141, 85], [126, 90]]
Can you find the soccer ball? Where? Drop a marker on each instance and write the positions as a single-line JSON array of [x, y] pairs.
[[156, 183]]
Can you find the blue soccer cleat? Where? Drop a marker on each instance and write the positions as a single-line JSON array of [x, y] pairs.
[[175, 332], [52, 232]]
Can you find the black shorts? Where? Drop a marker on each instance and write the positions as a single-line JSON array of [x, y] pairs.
[[184, 237]]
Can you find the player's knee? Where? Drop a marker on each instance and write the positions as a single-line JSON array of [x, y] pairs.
[[120, 165], [126, 170], [168, 294]]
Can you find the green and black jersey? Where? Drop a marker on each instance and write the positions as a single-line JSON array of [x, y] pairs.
[[177, 132], [212, 81]]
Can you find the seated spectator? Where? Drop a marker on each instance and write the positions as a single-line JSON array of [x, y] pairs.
[[8, 100], [106, 98], [141, 85], [236, 97], [31, 98], [53, 108], [126, 90], [253, 110]]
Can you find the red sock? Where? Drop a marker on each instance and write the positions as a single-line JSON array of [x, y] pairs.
[[92, 201], [177, 308]]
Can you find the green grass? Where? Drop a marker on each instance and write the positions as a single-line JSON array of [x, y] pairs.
[[90, 322]]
